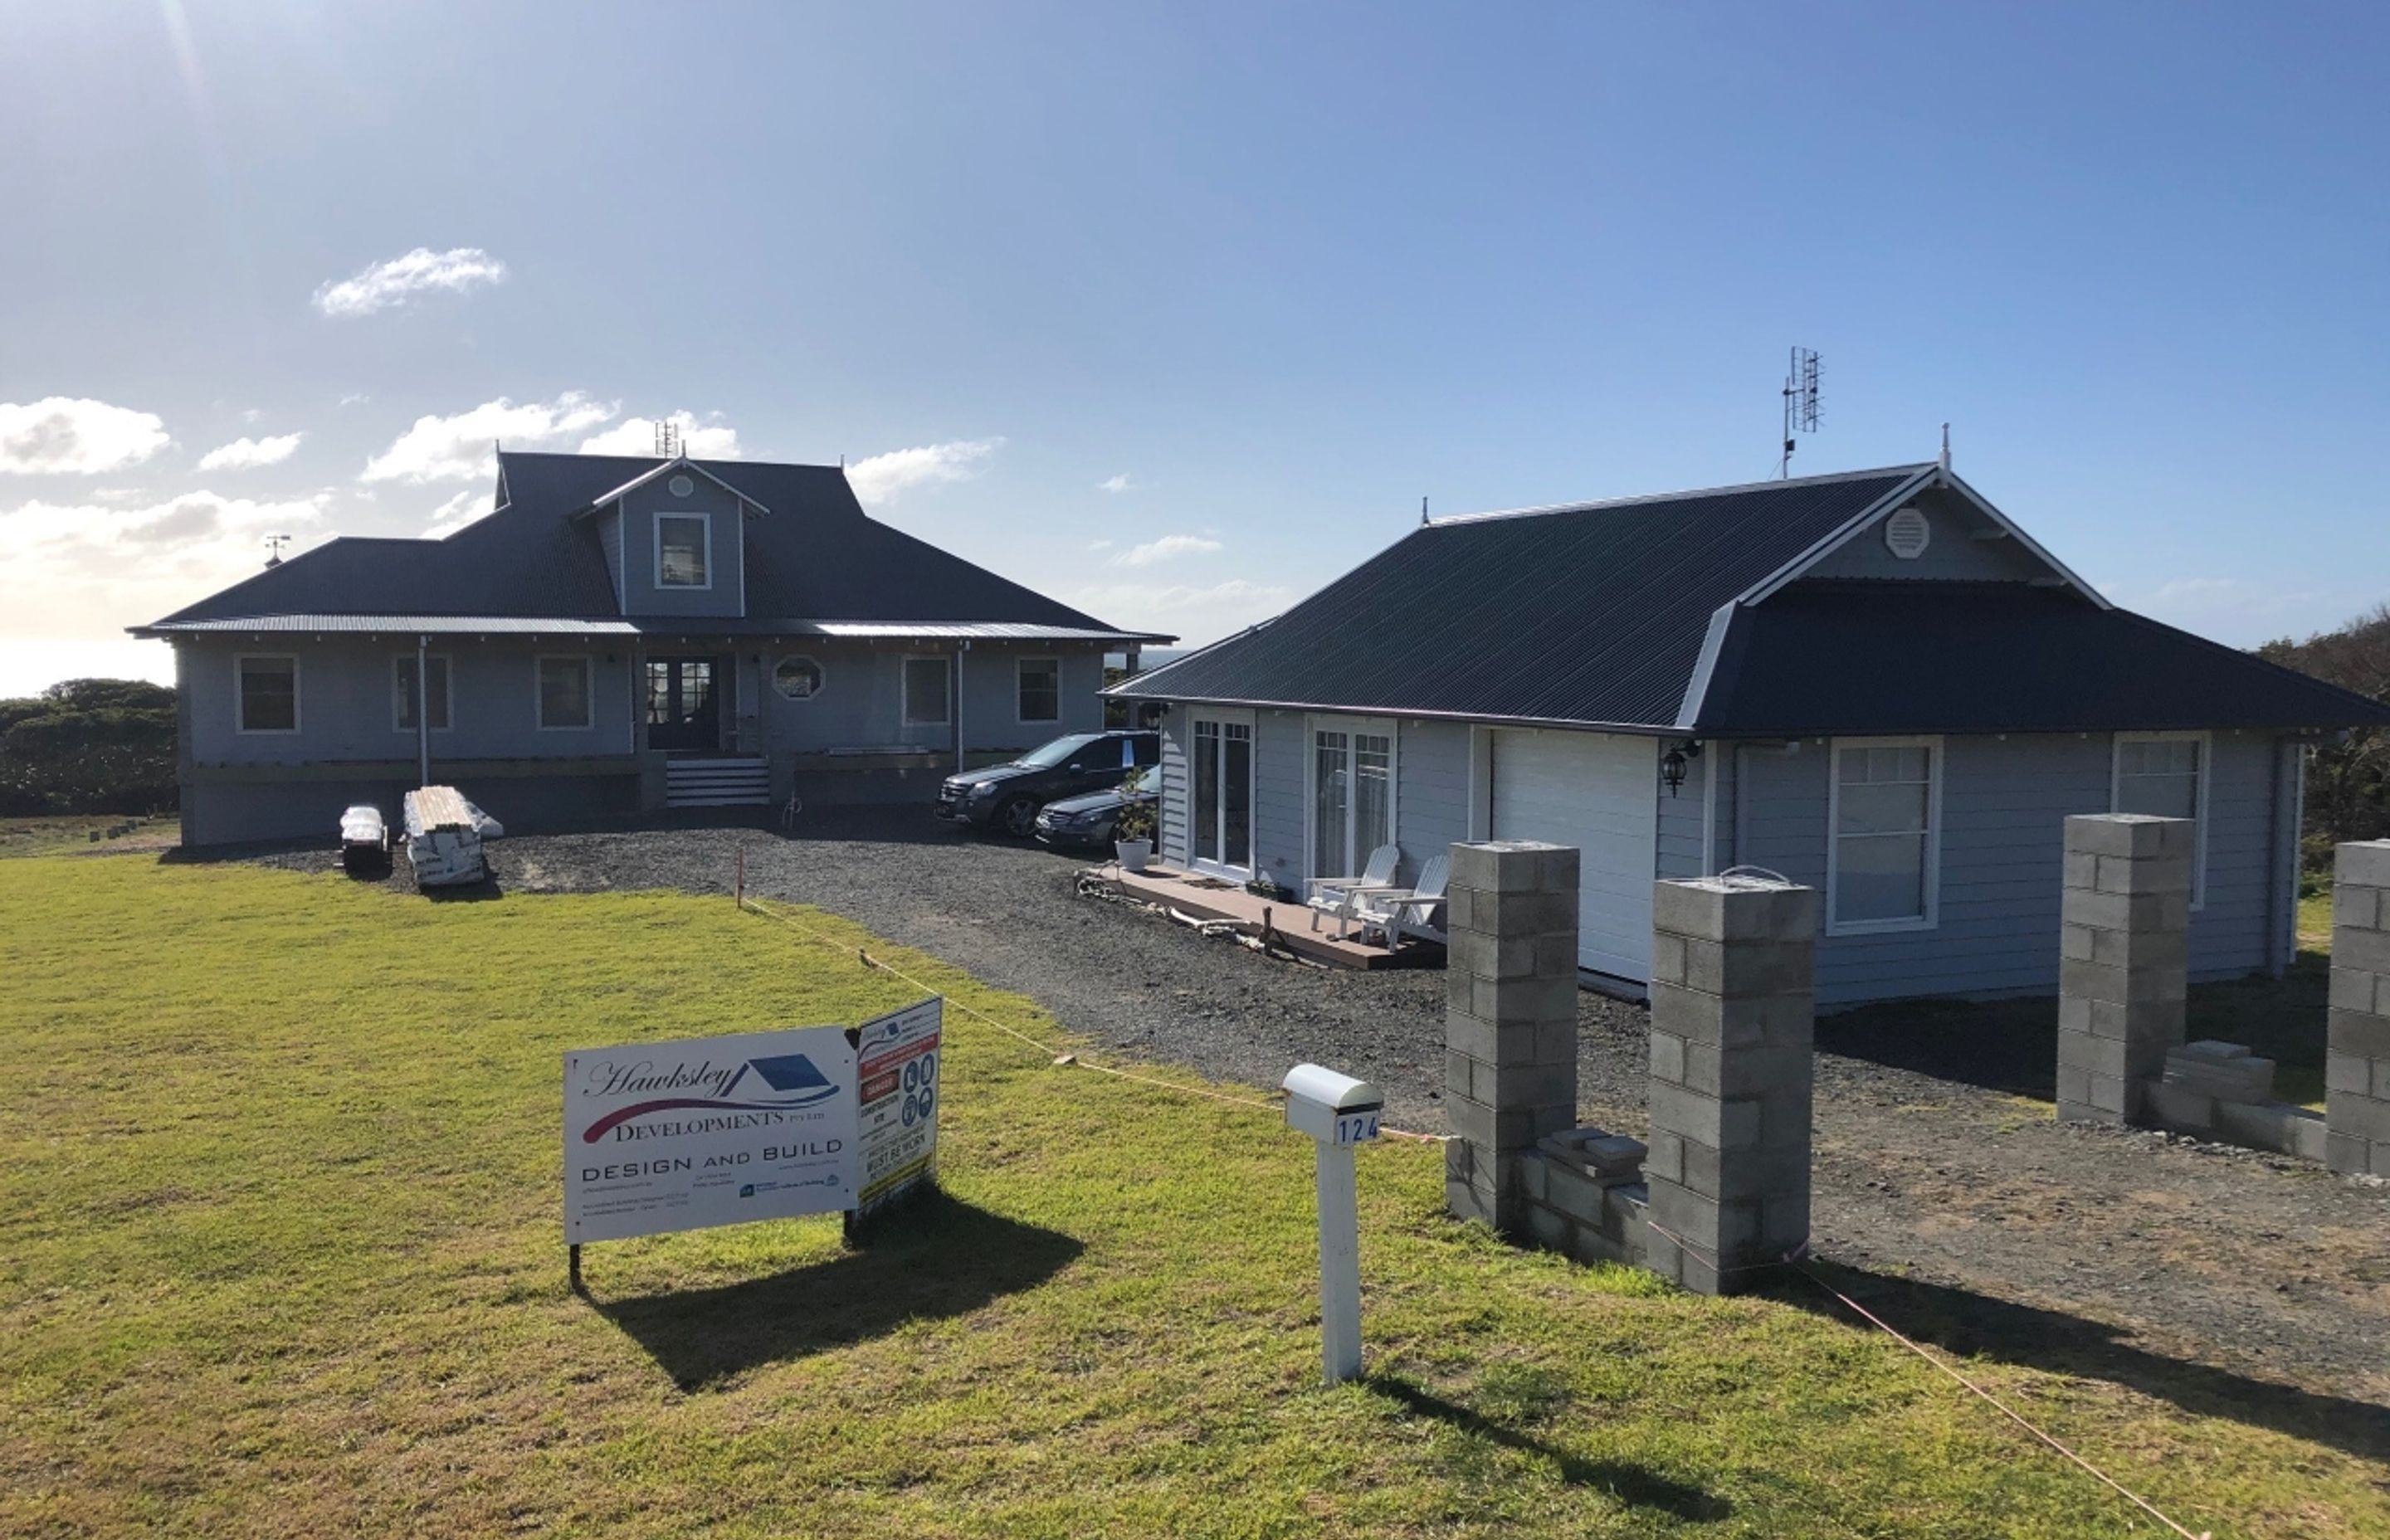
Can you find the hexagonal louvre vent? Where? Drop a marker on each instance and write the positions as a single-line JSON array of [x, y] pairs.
[[1906, 534]]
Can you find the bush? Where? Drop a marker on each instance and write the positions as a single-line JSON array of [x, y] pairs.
[[88, 746], [2349, 782]]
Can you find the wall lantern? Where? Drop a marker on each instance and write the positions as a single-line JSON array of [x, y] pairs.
[[1672, 763]]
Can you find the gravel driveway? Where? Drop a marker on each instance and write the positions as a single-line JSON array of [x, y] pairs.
[[2231, 1283]]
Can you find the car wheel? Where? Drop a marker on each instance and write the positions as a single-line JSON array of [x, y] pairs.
[[1018, 817]]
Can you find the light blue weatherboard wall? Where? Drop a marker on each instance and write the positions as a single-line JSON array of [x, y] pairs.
[[641, 595], [859, 707]]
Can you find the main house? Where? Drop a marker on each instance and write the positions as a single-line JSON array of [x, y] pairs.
[[619, 635], [1875, 684]]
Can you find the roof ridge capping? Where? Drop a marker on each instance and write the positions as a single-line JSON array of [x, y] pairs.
[[1735, 489]]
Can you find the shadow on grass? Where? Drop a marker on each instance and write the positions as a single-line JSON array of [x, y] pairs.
[[937, 1258], [2012, 1046], [1635, 1485], [1966, 1324]]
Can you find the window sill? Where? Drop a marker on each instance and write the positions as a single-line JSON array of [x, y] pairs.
[[1881, 927]]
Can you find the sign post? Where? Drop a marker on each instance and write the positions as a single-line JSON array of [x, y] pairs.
[[1338, 1112]]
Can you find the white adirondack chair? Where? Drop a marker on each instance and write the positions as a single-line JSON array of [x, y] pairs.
[[1337, 895], [1399, 912]]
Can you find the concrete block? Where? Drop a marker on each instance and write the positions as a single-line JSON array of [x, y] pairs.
[[1722, 1125], [1756, 1071], [1699, 1217], [1666, 1158], [1457, 1073], [2074, 941], [1535, 1172], [1594, 1246], [1534, 913], [2180, 1107], [2309, 1136], [2141, 949], [2128, 834], [2357, 1031], [2094, 981], [1663, 1254], [2352, 947], [1463, 1201], [2107, 1056], [1459, 1160], [2249, 1079], [1746, 1022], [2349, 1073], [2081, 869], [2347, 1152], [1667, 958], [1550, 1228], [1556, 1039], [1614, 1152], [1525, 1084], [1751, 968], [1460, 909], [1503, 866], [1669, 1058], [2214, 1049], [2365, 1117], [2364, 863], [2126, 911], [1491, 1042], [2358, 908], [1625, 1207], [1786, 1119], [1712, 909], [2126, 875], [2261, 1125]]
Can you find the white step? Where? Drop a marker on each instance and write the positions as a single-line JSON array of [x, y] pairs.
[[720, 782]]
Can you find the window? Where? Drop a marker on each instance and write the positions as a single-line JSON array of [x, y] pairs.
[[2165, 774], [925, 692], [1352, 795], [1221, 812], [1884, 832], [268, 688], [563, 693], [798, 678], [684, 543], [402, 693], [1040, 681]]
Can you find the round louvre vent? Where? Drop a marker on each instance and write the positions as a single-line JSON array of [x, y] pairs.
[[1906, 534], [681, 486]]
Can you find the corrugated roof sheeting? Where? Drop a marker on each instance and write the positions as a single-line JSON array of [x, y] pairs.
[[1593, 614], [1890, 657], [643, 626]]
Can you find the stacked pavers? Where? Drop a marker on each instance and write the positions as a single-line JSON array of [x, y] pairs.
[[2356, 1066], [1510, 1019], [2124, 959], [1584, 1194], [1732, 1029]]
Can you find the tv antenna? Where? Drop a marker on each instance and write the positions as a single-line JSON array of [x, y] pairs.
[[274, 544], [1800, 402], [667, 439]]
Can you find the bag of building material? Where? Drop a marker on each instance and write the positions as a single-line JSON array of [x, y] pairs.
[[443, 836], [365, 840]]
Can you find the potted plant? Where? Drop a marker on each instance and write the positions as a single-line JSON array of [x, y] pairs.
[[1133, 830]]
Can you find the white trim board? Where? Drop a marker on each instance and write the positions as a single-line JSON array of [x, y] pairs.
[[656, 540]]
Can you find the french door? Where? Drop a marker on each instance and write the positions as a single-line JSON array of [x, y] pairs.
[[1220, 803], [684, 711], [1352, 794]]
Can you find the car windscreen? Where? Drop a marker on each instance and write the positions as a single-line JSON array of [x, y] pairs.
[[1057, 753]]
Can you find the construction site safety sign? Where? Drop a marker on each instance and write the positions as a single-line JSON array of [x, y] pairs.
[[896, 1065]]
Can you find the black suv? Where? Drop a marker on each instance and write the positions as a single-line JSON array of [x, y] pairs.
[[1008, 796]]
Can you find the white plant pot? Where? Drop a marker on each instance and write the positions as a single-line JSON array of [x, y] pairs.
[[1133, 853]]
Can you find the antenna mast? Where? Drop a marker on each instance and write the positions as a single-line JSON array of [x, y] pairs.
[[274, 544], [1800, 402], [667, 439]]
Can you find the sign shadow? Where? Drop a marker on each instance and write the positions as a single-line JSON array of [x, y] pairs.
[[932, 1258]]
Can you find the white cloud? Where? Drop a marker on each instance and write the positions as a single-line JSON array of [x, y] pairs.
[[1100, 544], [468, 506], [356, 398], [1115, 483], [1164, 549], [1198, 614], [401, 279], [69, 436], [88, 569], [248, 454], [710, 439], [458, 448], [885, 478]]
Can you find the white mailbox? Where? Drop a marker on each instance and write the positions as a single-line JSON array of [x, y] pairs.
[[1333, 1108], [1338, 1112]]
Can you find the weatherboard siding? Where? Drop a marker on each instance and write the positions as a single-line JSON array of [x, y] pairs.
[[1174, 846], [641, 595], [2004, 803], [1280, 742], [1431, 790], [610, 540], [1678, 852], [1953, 554]]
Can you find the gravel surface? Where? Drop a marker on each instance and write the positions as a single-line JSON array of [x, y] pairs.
[[2229, 1282]]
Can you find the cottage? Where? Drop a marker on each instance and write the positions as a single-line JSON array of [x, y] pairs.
[[1873, 683], [619, 635]]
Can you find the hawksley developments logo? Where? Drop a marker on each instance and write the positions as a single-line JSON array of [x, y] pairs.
[[778, 1085]]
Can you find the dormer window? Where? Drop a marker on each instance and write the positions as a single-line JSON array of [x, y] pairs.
[[684, 543]]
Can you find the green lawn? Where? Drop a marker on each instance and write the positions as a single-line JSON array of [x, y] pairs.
[[280, 1254], [60, 833]]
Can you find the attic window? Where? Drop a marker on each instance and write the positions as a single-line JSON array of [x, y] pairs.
[[1906, 534], [682, 542]]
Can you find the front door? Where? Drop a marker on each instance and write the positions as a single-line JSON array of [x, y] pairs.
[[684, 706], [1221, 808]]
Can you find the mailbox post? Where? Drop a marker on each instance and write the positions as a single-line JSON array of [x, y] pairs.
[[1338, 1113]]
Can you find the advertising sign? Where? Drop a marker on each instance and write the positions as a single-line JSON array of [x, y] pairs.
[[710, 1131], [896, 1066]]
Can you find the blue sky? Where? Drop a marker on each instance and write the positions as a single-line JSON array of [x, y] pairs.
[[1233, 284]]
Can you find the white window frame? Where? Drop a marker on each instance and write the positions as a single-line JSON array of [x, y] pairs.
[[1351, 726], [705, 521], [588, 693], [448, 677], [821, 674], [1018, 664], [1931, 918], [904, 691], [2206, 742], [241, 695], [1226, 716]]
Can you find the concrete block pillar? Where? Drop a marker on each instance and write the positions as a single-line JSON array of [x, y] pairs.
[[2123, 961], [2357, 1063], [1510, 1019], [1733, 1011]]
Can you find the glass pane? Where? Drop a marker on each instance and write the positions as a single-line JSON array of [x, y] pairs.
[[269, 696], [1892, 808], [564, 692], [2163, 796], [680, 554], [1880, 876], [925, 690], [1205, 813], [1329, 805], [1236, 796], [1041, 691], [1373, 795]]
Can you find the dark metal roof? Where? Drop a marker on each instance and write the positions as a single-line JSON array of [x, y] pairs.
[[1881, 656], [639, 625], [815, 554], [1592, 613]]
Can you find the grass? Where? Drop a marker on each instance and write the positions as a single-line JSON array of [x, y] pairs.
[[75, 831], [280, 1252]]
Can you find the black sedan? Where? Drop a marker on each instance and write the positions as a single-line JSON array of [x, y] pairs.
[[1086, 820], [1007, 797]]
